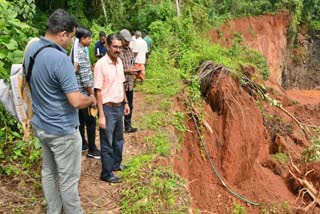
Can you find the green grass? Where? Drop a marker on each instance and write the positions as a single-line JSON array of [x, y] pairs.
[[160, 144], [150, 188], [281, 157], [154, 120]]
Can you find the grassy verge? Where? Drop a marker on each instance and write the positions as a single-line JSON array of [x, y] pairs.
[[151, 187]]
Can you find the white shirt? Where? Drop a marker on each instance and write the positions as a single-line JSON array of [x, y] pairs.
[[140, 47], [131, 44]]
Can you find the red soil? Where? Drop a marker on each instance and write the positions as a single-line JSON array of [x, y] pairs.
[[243, 142], [267, 34]]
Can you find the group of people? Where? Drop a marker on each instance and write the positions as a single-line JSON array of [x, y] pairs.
[[60, 86]]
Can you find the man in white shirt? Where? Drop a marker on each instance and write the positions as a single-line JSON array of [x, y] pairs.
[[133, 37], [140, 50]]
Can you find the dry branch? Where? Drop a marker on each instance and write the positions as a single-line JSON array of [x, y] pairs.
[[308, 187], [205, 123], [301, 126]]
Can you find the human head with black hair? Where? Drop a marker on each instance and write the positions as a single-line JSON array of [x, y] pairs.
[[114, 46], [61, 27], [83, 32], [84, 35], [102, 33], [102, 37]]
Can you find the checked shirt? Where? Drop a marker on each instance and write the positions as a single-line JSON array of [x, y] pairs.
[[84, 73], [127, 58]]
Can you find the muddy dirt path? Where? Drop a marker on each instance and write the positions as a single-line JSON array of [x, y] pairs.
[[101, 197]]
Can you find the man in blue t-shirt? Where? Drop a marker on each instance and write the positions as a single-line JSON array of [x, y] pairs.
[[100, 48], [55, 101]]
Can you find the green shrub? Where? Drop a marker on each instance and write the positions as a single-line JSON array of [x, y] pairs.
[[13, 38]]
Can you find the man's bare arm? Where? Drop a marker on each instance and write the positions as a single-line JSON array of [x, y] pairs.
[[80, 101], [101, 119]]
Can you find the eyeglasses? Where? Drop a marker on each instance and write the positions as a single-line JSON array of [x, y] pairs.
[[117, 47]]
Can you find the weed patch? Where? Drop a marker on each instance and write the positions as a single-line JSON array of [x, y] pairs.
[[160, 144], [238, 209], [153, 190], [281, 157]]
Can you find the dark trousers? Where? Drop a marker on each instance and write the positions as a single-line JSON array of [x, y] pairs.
[[127, 118], [112, 140], [90, 123]]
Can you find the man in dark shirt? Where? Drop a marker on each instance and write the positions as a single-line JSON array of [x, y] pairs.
[[100, 48]]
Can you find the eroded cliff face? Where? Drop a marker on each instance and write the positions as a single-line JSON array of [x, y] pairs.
[[245, 134], [267, 34], [303, 65]]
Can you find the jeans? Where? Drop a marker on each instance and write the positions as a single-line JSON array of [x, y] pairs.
[[111, 139], [88, 121], [127, 118], [61, 169]]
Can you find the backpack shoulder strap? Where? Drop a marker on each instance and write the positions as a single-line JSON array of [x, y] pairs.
[[32, 59]]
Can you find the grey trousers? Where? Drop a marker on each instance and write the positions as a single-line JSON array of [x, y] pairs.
[[61, 169]]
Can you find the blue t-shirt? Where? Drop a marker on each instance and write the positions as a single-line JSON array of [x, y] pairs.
[[102, 50], [52, 77]]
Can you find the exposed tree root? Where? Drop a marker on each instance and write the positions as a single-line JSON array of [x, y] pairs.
[[302, 126], [308, 187]]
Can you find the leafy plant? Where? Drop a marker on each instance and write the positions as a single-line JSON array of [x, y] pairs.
[[25, 9], [238, 209], [254, 57], [13, 37], [179, 121], [18, 156], [313, 152]]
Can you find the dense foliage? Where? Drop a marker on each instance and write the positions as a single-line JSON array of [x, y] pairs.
[[179, 44]]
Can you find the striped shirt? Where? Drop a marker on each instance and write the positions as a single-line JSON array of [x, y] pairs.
[[127, 58], [84, 74]]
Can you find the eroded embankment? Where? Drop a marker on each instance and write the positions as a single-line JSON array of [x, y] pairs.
[[249, 133], [239, 148], [267, 34]]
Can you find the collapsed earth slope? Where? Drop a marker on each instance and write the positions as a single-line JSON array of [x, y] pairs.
[[248, 133]]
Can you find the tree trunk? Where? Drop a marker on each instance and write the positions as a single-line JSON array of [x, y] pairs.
[[178, 7], [104, 11]]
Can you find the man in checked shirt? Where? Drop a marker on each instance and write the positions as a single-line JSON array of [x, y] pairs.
[[127, 58], [85, 81]]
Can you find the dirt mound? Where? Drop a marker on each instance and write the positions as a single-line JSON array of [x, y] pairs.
[[239, 147]]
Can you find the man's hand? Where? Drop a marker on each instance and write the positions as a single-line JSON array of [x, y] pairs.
[[102, 122], [126, 110], [76, 67], [94, 104], [132, 71]]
